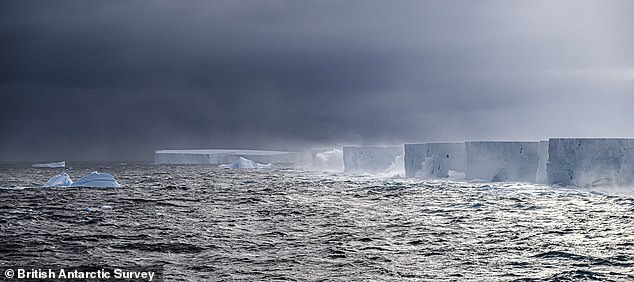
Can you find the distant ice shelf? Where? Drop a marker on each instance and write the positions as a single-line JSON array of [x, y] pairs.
[[223, 156], [51, 165]]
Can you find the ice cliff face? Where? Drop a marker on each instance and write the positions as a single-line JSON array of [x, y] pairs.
[[371, 159], [591, 162], [434, 160], [502, 161]]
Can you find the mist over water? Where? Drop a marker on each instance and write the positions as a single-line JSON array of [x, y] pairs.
[[205, 223]]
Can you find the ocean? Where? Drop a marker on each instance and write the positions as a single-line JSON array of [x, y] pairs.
[[202, 223]]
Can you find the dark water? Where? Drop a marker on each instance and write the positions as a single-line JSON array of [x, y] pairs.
[[204, 223]]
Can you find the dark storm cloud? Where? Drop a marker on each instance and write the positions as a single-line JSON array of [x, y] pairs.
[[119, 79]]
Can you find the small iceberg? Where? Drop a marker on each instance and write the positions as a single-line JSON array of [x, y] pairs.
[[92, 180], [245, 163], [60, 180], [97, 179], [51, 165]]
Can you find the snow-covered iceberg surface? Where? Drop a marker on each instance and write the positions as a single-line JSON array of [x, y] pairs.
[[328, 159], [60, 180], [51, 165], [502, 161], [223, 156], [585, 162], [96, 180], [434, 160], [372, 159], [245, 163]]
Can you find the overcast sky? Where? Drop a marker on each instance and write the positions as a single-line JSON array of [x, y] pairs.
[[116, 80]]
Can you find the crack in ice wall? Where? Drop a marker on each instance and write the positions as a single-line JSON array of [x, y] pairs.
[[541, 176]]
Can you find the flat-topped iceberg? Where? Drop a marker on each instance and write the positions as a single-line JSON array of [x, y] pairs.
[[245, 163], [51, 165], [92, 180], [586, 162], [60, 180]]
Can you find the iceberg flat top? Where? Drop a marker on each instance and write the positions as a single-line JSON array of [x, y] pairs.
[[222, 151]]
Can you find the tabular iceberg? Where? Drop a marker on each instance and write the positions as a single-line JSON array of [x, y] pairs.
[[372, 159], [434, 160], [585, 162], [502, 161], [51, 165], [60, 180], [216, 157], [96, 180]]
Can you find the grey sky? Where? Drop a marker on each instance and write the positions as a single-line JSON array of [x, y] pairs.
[[119, 79]]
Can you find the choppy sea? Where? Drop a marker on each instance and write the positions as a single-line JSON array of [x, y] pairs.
[[202, 223]]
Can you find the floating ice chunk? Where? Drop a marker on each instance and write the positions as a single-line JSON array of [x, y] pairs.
[[97, 180], [51, 165], [245, 163], [60, 180]]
